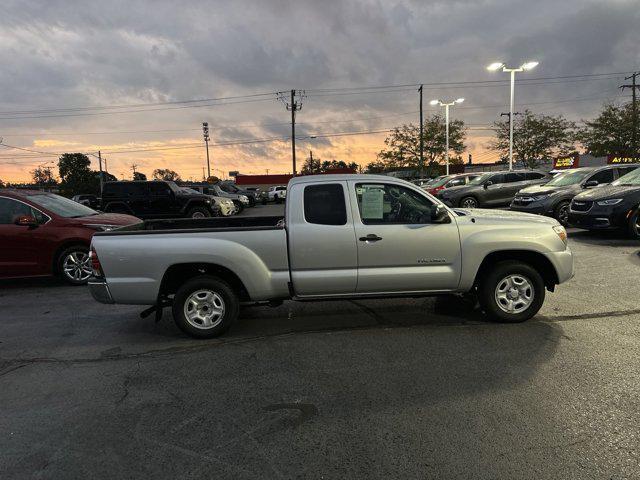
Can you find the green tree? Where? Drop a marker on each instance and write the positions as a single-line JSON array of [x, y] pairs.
[[320, 166], [403, 144], [75, 175], [139, 176], [375, 167], [42, 176], [166, 174], [1, 183], [536, 138], [610, 133]]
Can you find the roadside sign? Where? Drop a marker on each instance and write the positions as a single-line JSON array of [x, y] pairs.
[[569, 161], [615, 159]]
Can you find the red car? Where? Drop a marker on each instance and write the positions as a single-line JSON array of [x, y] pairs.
[[447, 181], [45, 234]]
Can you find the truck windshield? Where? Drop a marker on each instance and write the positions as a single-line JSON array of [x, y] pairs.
[[571, 177], [61, 206], [630, 179]]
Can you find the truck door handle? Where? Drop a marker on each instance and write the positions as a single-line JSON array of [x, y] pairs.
[[372, 237]]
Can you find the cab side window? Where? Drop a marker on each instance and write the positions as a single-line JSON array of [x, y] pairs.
[[388, 204], [602, 177], [514, 177], [325, 204]]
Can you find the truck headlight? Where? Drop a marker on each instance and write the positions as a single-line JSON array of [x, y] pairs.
[[610, 201], [561, 232]]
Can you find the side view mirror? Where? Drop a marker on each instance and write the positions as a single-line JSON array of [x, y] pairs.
[[487, 184], [439, 214], [26, 221], [591, 183]]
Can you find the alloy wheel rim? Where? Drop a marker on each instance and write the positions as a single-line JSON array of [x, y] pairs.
[[197, 215], [77, 266], [469, 203], [204, 309], [514, 294], [563, 214]]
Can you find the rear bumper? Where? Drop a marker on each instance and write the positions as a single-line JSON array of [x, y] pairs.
[[100, 290]]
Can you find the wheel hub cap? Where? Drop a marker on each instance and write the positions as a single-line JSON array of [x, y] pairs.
[[77, 266], [204, 309], [514, 294]]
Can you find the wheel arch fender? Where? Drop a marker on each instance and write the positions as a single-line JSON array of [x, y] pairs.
[[68, 243]]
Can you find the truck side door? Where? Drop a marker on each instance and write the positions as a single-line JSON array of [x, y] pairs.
[[399, 248], [161, 200], [323, 255]]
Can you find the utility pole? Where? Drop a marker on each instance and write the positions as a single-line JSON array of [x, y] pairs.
[[100, 167], [634, 111], [203, 177], [205, 132], [293, 106], [133, 169], [421, 168]]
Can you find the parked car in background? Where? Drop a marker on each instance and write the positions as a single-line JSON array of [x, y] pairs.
[[492, 189], [155, 199], [422, 182], [230, 187], [225, 205], [275, 194], [612, 207], [553, 198], [448, 181], [45, 234], [239, 200], [91, 201], [371, 236]]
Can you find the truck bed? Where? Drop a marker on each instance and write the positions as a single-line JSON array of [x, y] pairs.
[[185, 225]]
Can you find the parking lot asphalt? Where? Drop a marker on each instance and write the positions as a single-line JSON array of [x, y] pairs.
[[410, 388]]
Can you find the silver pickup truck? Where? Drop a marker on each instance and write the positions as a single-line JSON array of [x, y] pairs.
[[343, 236]]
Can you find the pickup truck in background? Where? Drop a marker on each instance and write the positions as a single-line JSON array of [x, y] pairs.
[[343, 236]]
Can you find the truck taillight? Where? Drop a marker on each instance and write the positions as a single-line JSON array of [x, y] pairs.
[[95, 263]]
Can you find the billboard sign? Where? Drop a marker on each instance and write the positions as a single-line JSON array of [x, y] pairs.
[[617, 159], [569, 161]]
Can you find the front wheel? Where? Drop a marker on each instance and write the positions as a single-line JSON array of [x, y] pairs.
[[561, 213], [239, 206], [74, 265], [511, 292], [205, 307], [634, 224], [276, 198], [468, 202]]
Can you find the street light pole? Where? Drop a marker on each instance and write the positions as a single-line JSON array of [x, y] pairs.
[[512, 71], [446, 106], [205, 132]]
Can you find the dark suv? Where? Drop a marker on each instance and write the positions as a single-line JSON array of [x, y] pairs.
[[615, 206], [553, 198], [492, 189], [155, 199]]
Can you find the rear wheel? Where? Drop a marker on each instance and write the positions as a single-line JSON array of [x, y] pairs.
[[276, 198], [74, 265], [634, 224], [199, 212], [469, 202], [561, 213], [205, 307], [511, 292]]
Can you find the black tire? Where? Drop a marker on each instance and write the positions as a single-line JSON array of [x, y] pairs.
[[561, 213], [633, 227], [264, 201], [196, 327], [469, 202], [238, 205], [73, 265], [198, 212], [496, 276], [276, 198]]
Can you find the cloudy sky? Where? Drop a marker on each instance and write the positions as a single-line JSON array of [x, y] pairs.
[[135, 79]]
